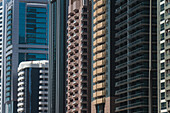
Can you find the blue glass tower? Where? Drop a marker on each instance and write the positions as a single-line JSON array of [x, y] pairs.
[[26, 39]]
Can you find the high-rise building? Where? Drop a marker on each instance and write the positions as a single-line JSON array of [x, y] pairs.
[[57, 55], [1, 50], [32, 96], [136, 56], [102, 100], [78, 97], [163, 42], [26, 39]]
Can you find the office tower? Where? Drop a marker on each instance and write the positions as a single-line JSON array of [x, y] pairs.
[[57, 55], [136, 56], [163, 56], [102, 56], [25, 40], [78, 97], [32, 96], [1, 50]]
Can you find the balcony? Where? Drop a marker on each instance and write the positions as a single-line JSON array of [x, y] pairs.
[[120, 99], [132, 1], [121, 107], [121, 91], [99, 41], [20, 110], [21, 73], [137, 95], [99, 101], [99, 18], [121, 32], [99, 63], [135, 51], [137, 59], [121, 82], [99, 78], [20, 94], [120, 74], [136, 33], [121, 40], [20, 99], [120, 49], [99, 33], [121, 8], [131, 105], [43, 97], [43, 108], [138, 6], [122, 65], [99, 48], [99, 26], [99, 86], [138, 77], [99, 71], [20, 104], [99, 4], [20, 83], [43, 92], [121, 16], [99, 56], [121, 57], [20, 89], [136, 68], [121, 24], [138, 24], [21, 78], [99, 93], [99, 11], [138, 104], [138, 15], [137, 86], [119, 1], [137, 42]]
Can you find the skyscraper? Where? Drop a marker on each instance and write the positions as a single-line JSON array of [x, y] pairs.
[[1, 50], [32, 87], [57, 55], [136, 56], [102, 56], [78, 95], [163, 56], [26, 39]]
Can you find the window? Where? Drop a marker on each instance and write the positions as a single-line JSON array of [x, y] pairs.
[[162, 27], [162, 7], [162, 65], [163, 105], [162, 17], [162, 36], [163, 95], [162, 46], [162, 76], [162, 86]]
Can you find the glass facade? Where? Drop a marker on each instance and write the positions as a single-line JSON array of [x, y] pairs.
[[136, 55], [57, 55], [9, 28], [27, 43]]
